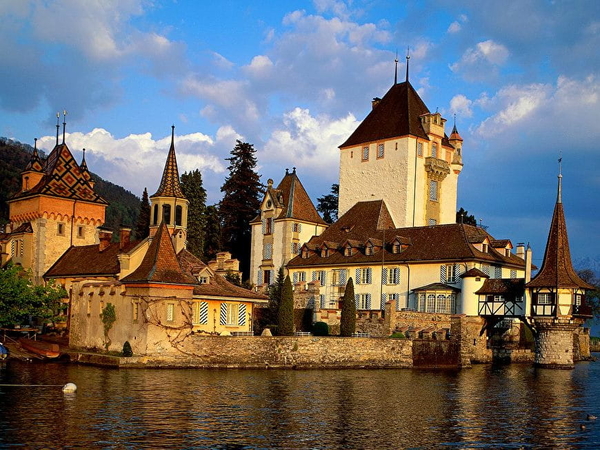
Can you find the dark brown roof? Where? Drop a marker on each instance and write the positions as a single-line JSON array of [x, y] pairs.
[[64, 178], [169, 184], [557, 269], [160, 264], [296, 202], [511, 286], [88, 260], [218, 285], [450, 242], [397, 114], [437, 287], [25, 227], [473, 273]]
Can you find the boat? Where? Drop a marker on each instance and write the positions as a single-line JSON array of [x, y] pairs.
[[40, 348]]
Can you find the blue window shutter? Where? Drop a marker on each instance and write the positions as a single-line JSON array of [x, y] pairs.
[[203, 313], [384, 276], [295, 277], [357, 276], [443, 273], [322, 300], [369, 272], [368, 301], [223, 319], [242, 315], [343, 277], [383, 298], [357, 300], [314, 275], [260, 276], [397, 277], [323, 278], [264, 226]]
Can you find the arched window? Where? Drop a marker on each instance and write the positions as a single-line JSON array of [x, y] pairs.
[[178, 214], [167, 214], [155, 221]]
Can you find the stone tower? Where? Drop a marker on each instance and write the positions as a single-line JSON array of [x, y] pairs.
[[401, 154], [558, 305], [169, 204], [55, 209]]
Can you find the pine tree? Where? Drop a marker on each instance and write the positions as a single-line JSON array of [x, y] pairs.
[[328, 204], [348, 319], [142, 228], [275, 292], [212, 233], [241, 202], [285, 317], [191, 185]]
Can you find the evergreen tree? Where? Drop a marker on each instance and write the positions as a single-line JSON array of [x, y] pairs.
[[348, 319], [328, 204], [142, 228], [463, 216], [212, 233], [285, 316], [191, 185], [241, 202], [275, 292]]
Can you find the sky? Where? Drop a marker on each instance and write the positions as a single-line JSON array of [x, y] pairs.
[[295, 78]]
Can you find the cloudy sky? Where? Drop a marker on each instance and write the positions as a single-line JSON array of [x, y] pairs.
[[296, 77]]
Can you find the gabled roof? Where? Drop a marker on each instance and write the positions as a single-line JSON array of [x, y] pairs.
[[35, 164], [474, 273], [296, 203], [396, 114], [557, 269], [160, 264], [64, 178], [437, 287], [169, 183], [505, 286], [25, 227]]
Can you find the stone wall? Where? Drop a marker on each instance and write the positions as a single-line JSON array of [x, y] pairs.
[[555, 342]]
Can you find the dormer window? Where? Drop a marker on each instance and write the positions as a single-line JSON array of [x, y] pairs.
[[269, 203], [484, 248], [305, 253], [324, 252], [348, 251], [507, 252], [369, 250], [203, 279], [396, 247]]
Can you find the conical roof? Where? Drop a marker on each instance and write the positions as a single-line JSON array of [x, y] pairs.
[[169, 184], [35, 163], [557, 269]]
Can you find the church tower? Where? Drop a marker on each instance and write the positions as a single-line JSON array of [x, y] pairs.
[[169, 204], [55, 209], [401, 154]]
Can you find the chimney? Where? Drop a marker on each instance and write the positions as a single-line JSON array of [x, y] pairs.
[[221, 257], [124, 236], [521, 250], [105, 237], [528, 256], [375, 102]]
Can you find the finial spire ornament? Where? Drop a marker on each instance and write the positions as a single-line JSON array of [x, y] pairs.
[[396, 69], [57, 126], [64, 124], [407, 61], [559, 194], [172, 135], [35, 144]]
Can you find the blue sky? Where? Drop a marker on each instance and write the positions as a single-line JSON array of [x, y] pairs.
[[296, 78]]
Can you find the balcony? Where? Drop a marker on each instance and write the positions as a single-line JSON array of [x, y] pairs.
[[437, 168]]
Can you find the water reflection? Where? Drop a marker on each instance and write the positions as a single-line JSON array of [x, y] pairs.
[[494, 407]]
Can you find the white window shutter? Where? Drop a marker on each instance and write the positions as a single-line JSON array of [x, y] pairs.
[[203, 319], [383, 299], [357, 276], [314, 275]]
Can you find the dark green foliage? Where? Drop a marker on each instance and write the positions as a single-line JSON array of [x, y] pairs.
[[275, 292], [348, 319], [242, 193], [592, 297], [108, 317], [212, 233], [397, 335], [21, 300], [191, 185], [320, 329], [285, 316], [462, 216], [127, 351], [142, 229], [14, 156], [328, 204], [233, 278]]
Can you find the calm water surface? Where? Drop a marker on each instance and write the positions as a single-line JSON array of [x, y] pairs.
[[485, 407]]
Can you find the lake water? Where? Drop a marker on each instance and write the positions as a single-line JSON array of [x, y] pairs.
[[513, 406]]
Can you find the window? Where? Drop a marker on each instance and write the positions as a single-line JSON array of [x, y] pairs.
[[348, 251], [178, 215], [155, 221], [299, 277], [203, 279], [319, 275], [544, 299], [485, 248], [420, 149], [396, 247], [391, 275], [170, 312], [267, 276], [380, 151], [229, 313], [421, 305], [13, 248], [167, 214], [135, 311], [485, 268], [369, 250], [365, 153], [434, 152], [448, 273], [433, 190], [430, 303], [60, 229], [363, 276], [497, 272], [268, 251], [338, 277], [363, 301], [513, 273], [80, 231], [267, 226], [200, 316], [578, 300], [296, 227], [295, 248]]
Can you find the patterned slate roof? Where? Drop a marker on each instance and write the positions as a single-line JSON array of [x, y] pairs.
[[64, 178], [35, 163], [169, 183], [364, 220], [218, 285], [557, 269], [296, 202], [160, 263]]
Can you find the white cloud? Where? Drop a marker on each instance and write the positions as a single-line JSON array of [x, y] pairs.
[[482, 61], [260, 67], [454, 27], [461, 105]]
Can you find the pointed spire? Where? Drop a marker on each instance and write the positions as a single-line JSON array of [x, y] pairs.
[[57, 126], [559, 194], [169, 184], [35, 163], [396, 69], [64, 124], [407, 61]]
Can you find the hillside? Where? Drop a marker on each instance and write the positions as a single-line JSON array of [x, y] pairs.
[[123, 205]]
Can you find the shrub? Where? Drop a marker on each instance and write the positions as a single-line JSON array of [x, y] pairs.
[[397, 335], [320, 329], [127, 349]]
